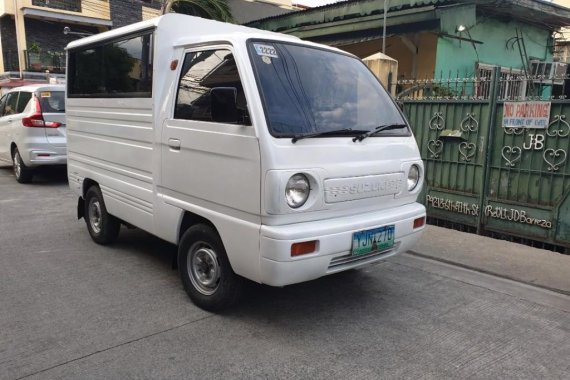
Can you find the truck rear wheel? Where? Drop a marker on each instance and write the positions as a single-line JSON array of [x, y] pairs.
[[103, 227], [205, 270]]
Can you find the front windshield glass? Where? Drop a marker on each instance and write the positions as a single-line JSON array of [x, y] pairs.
[[309, 90]]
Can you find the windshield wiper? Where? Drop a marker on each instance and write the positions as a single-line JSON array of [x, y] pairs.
[[378, 129], [325, 133]]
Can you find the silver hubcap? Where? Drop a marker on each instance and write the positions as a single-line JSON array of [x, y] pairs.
[[95, 215], [203, 268], [17, 166]]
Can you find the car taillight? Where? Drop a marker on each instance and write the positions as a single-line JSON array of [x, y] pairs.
[[36, 118]]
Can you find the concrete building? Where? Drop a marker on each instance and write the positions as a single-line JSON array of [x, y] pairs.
[[435, 38], [562, 38], [32, 38]]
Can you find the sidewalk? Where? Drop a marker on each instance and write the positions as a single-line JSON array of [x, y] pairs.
[[514, 261]]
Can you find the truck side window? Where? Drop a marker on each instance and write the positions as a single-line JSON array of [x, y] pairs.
[[202, 71], [120, 68]]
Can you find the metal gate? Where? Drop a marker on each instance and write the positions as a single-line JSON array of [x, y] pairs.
[[486, 176]]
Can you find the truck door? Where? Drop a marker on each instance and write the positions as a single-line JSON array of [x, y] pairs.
[[210, 153]]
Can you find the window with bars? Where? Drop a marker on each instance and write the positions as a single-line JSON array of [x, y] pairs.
[[512, 82]]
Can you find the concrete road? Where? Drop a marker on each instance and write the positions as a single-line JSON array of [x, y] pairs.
[[70, 309]]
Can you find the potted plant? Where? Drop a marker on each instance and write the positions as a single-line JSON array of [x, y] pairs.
[[34, 56]]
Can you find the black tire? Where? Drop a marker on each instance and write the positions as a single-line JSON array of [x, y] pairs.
[[211, 285], [23, 173], [103, 227]]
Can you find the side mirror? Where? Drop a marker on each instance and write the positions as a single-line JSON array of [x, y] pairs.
[[223, 104]]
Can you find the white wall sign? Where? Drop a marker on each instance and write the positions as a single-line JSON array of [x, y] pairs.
[[526, 114], [515, 215], [453, 206]]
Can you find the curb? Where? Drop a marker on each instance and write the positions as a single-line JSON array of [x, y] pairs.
[[500, 275]]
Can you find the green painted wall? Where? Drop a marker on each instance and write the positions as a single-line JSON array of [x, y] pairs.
[[455, 56]]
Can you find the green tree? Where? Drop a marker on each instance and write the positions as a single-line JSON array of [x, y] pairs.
[[212, 9]]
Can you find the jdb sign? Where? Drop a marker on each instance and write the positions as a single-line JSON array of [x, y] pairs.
[[526, 114]]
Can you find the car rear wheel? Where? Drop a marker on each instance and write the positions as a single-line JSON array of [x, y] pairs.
[[23, 173], [102, 226], [205, 270]]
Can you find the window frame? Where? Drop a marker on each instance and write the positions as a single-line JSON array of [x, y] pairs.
[[109, 42], [218, 45], [61, 5], [506, 85]]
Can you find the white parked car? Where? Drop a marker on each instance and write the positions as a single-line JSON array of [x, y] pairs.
[[32, 128]]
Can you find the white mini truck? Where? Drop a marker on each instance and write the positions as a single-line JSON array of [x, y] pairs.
[[260, 155]]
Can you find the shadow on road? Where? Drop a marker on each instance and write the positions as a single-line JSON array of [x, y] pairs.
[[345, 292], [140, 243], [341, 294], [43, 175]]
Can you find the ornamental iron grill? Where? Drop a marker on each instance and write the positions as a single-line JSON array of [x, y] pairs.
[[495, 147]]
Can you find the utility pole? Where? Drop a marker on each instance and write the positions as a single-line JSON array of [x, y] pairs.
[[20, 38], [384, 27]]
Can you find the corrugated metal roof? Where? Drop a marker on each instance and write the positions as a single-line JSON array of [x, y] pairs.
[[393, 5], [538, 12]]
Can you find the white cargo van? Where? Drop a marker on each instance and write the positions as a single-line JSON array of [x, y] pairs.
[[260, 155]]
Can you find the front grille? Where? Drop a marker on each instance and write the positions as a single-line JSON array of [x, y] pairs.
[[353, 188], [349, 260]]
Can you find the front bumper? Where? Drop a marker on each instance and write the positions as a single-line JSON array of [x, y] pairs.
[[333, 253]]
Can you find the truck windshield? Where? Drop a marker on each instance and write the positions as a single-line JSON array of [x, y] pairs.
[[308, 90]]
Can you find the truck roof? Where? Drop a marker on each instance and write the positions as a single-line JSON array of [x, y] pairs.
[[186, 26]]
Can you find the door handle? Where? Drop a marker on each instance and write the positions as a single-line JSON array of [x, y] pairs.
[[174, 144]]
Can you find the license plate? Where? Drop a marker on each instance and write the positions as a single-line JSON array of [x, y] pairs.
[[373, 240]]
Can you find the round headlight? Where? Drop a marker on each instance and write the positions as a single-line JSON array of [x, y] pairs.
[[297, 190], [413, 177]]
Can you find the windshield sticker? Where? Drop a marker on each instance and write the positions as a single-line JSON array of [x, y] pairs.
[[265, 50], [266, 59], [45, 94]]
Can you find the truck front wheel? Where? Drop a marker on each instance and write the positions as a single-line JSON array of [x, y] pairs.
[[205, 270]]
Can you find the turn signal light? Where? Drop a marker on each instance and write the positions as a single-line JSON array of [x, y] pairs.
[[419, 222], [306, 247]]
